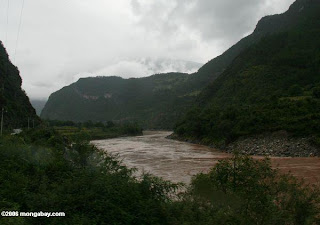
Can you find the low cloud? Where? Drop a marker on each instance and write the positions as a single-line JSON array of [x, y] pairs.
[[143, 67], [64, 38]]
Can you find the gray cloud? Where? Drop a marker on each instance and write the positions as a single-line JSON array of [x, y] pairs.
[[63, 39], [143, 67], [222, 21]]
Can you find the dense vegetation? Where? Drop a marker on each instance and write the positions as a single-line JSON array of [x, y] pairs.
[[41, 171], [273, 85], [93, 131], [152, 102], [244, 191], [17, 108]]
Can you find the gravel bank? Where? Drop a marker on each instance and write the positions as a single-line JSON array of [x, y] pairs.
[[270, 144]]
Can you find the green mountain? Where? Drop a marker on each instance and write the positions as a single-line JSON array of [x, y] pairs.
[[14, 101], [38, 105], [272, 85], [158, 101], [155, 101]]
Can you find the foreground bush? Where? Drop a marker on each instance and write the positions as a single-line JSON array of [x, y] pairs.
[[50, 174], [242, 190], [91, 188]]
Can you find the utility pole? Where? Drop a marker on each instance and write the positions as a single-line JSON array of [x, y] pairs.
[[33, 123], [28, 124], [2, 111]]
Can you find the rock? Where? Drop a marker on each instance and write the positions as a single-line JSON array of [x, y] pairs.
[[275, 144]]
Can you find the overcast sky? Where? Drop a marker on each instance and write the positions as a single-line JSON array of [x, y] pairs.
[[63, 40]]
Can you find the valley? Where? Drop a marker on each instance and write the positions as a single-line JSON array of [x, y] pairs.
[[236, 142]]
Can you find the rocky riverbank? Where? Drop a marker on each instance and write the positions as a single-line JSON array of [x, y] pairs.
[[275, 144], [270, 144]]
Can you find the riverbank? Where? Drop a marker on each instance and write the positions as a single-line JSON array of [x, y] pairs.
[[278, 144], [98, 133]]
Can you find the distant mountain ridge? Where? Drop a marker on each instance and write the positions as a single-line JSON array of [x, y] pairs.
[[13, 99], [38, 105], [165, 65], [153, 101], [142, 67], [176, 98]]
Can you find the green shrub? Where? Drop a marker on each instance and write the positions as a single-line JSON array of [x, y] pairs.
[[249, 191], [295, 90], [316, 92]]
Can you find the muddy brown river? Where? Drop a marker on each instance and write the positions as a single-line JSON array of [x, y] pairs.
[[179, 161]]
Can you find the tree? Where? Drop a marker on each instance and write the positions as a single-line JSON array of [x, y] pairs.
[[295, 90], [316, 92], [253, 193]]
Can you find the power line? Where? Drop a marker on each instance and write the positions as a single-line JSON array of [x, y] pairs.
[[18, 35], [3, 31], [2, 111], [8, 5]]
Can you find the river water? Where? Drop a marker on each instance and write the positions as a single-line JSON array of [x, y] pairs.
[[179, 161]]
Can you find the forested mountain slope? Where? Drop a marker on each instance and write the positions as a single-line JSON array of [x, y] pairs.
[[154, 101], [273, 85], [16, 104]]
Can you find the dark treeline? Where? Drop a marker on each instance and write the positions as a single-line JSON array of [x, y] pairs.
[[93, 130], [87, 124]]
